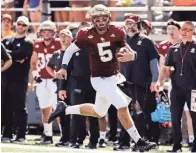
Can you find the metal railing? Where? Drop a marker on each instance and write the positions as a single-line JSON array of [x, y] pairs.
[[118, 9]]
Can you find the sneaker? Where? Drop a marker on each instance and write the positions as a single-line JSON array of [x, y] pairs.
[[74, 145], [112, 142], [46, 140], [144, 145], [176, 148], [194, 146], [60, 108], [62, 144], [102, 143], [19, 140], [5, 140], [91, 146], [40, 138], [122, 148]]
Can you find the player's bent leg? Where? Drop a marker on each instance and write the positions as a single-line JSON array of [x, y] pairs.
[[83, 109], [120, 101], [125, 118], [88, 110]]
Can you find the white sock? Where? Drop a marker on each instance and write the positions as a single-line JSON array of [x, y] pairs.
[[102, 134], [191, 138], [134, 133], [73, 110], [89, 134], [60, 129], [48, 129]]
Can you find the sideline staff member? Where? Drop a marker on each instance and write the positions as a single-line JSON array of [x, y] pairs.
[[16, 81], [182, 57]]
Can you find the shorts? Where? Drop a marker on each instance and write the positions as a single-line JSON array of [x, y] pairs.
[[59, 4], [186, 107], [84, 3], [108, 93], [46, 93]]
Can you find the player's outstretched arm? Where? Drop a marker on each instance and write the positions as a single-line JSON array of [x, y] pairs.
[[62, 73]]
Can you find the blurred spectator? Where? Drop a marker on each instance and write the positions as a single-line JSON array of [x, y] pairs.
[[7, 4], [18, 4], [146, 27], [184, 15], [123, 3], [61, 16], [109, 3], [35, 16], [79, 16], [6, 26]]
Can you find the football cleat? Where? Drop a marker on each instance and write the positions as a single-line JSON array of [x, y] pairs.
[[60, 108], [144, 145]]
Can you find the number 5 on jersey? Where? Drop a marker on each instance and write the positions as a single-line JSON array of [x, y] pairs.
[[105, 55]]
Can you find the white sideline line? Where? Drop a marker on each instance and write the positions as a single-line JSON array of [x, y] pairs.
[[48, 148]]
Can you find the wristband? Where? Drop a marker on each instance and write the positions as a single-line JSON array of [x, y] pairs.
[[135, 56], [35, 74], [64, 66]]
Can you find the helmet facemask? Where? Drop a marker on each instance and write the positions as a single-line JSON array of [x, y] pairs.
[[47, 30], [100, 17], [101, 22]]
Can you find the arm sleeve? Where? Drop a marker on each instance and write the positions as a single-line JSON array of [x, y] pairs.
[[154, 69], [52, 61], [24, 52], [152, 50], [169, 58], [63, 83], [69, 53], [4, 54]]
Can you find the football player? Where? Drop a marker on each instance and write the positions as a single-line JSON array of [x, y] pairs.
[[173, 31], [103, 41], [46, 87]]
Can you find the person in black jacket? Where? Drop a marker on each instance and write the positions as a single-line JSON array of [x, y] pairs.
[[182, 58], [141, 76], [54, 65], [15, 80], [6, 59]]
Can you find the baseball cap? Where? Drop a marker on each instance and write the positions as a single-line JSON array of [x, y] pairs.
[[147, 23], [6, 16], [132, 17], [66, 32], [23, 19]]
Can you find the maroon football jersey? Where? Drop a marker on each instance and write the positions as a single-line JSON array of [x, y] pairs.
[[102, 49], [164, 47], [44, 54]]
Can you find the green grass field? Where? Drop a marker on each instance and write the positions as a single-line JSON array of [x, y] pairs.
[[30, 146]]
